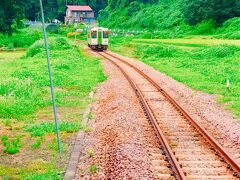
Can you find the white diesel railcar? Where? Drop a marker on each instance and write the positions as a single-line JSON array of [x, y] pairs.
[[98, 38]]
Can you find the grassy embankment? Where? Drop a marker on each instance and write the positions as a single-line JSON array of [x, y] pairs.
[[28, 147], [25, 37], [202, 64], [22, 39]]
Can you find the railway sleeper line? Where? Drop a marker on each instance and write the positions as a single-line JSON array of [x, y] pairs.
[[180, 169], [164, 147]]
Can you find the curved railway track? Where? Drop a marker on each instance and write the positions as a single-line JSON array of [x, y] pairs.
[[190, 151]]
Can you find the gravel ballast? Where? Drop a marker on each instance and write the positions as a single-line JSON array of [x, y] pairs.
[[120, 142], [220, 123]]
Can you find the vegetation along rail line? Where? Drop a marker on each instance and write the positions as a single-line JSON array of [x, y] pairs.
[[193, 152]]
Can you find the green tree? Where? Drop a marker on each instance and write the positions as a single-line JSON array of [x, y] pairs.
[[97, 5], [10, 11], [196, 11]]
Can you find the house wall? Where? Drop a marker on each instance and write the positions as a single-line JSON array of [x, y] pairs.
[[79, 16], [82, 14], [68, 13]]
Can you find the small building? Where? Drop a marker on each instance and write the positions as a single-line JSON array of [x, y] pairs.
[[79, 14]]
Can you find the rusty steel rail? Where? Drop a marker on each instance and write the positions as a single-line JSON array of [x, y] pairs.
[[219, 150], [174, 165]]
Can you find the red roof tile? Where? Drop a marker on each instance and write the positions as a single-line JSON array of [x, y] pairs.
[[79, 8]]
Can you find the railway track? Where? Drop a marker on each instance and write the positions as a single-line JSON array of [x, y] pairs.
[[190, 151]]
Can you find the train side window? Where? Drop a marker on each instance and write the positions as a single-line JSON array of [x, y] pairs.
[[94, 34], [105, 34]]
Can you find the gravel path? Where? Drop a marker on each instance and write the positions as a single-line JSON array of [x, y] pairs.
[[202, 107]]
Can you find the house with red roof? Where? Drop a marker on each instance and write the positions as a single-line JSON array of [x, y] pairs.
[[79, 14]]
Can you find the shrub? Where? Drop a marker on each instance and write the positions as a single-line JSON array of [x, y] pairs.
[[53, 28], [12, 146], [54, 44], [52, 174], [229, 29], [38, 143], [204, 27], [219, 51], [49, 127], [36, 48], [21, 39], [156, 52]]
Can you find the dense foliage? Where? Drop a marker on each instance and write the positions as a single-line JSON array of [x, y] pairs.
[[53, 8], [10, 11], [172, 18], [13, 11], [219, 10], [230, 29]]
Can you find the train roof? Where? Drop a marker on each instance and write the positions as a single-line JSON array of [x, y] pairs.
[[99, 28]]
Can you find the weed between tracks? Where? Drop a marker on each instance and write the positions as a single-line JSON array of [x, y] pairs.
[[90, 115], [202, 64], [90, 153], [93, 168], [27, 129]]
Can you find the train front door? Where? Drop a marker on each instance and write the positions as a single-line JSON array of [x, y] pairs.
[[99, 37]]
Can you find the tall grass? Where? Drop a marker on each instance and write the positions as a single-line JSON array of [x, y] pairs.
[[24, 38], [230, 29], [49, 127], [206, 69], [24, 88], [202, 65], [25, 103], [21, 39]]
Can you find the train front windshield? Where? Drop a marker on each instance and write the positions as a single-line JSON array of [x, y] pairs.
[[105, 34], [94, 34]]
